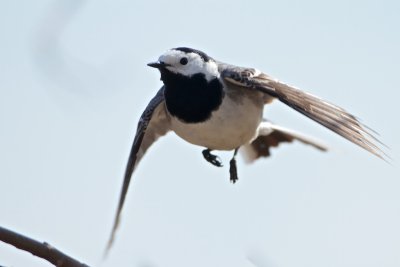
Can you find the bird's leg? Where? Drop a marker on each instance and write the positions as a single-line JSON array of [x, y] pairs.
[[232, 168], [214, 160]]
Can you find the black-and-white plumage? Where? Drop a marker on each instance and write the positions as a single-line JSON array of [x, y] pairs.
[[220, 107]]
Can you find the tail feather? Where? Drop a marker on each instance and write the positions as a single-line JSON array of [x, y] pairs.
[[260, 147]]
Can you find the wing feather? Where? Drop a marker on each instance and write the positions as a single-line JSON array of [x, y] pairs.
[[327, 114], [153, 123], [272, 135]]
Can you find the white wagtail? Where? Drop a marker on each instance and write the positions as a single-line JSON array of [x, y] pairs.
[[220, 107]]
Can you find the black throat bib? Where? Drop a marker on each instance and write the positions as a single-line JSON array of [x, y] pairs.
[[191, 99]]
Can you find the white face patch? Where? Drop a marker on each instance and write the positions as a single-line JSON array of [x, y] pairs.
[[195, 64]]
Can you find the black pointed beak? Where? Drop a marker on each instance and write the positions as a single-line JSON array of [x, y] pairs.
[[158, 65]]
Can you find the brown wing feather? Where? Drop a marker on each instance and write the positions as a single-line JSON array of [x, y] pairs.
[[262, 144], [260, 147], [329, 115], [153, 123]]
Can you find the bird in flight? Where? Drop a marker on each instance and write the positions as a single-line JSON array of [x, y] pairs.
[[220, 106]]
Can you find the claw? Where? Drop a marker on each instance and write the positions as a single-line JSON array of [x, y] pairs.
[[214, 160]]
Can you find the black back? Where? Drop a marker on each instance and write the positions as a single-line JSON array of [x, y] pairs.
[[191, 99]]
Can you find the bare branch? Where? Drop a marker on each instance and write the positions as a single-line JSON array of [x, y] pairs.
[[42, 250]]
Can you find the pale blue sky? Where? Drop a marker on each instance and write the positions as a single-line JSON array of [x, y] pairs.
[[74, 82]]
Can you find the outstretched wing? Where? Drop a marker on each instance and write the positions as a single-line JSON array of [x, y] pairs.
[[329, 115], [153, 123]]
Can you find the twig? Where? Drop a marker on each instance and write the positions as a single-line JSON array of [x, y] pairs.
[[42, 250]]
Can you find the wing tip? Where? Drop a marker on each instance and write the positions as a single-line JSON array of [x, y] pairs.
[[111, 238]]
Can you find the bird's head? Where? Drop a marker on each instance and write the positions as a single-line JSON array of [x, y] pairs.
[[187, 62]]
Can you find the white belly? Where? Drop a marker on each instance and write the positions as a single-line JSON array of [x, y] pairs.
[[235, 123]]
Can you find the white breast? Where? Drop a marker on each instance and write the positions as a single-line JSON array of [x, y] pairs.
[[234, 123]]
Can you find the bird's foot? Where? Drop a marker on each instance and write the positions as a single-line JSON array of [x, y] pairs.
[[214, 160], [233, 171]]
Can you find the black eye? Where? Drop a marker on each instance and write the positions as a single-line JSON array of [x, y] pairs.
[[183, 61]]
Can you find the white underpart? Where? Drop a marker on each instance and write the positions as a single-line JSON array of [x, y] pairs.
[[231, 126], [195, 64]]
